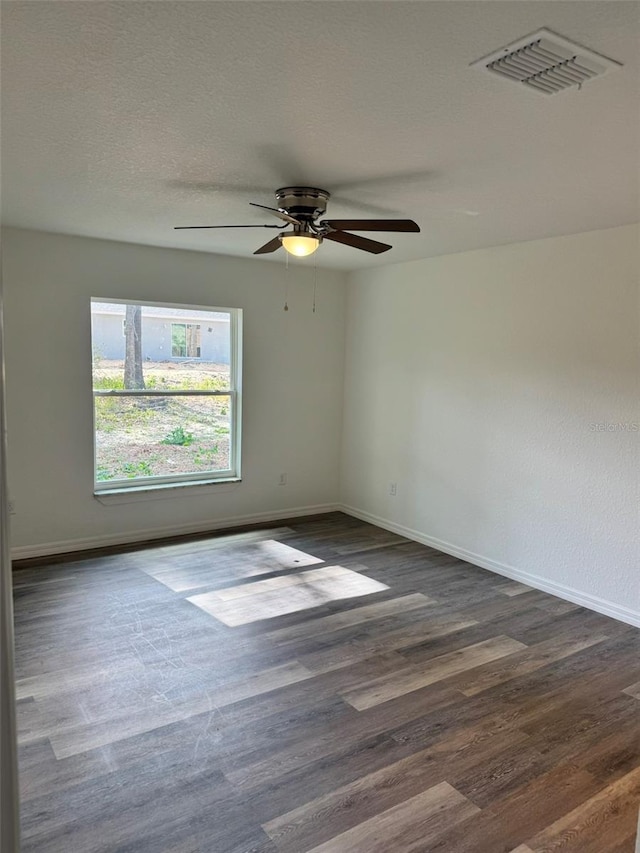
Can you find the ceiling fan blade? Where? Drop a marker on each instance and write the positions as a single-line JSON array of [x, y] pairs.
[[284, 216], [373, 225], [191, 227], [271, 246], [357, 242]]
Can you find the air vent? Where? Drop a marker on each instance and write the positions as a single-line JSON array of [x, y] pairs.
[[547, 63]]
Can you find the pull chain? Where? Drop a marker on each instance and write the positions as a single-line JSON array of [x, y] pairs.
[[315, 280], [286, 284]]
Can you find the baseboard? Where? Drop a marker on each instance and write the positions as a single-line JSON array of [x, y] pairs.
[[592, 602], [46, 549]]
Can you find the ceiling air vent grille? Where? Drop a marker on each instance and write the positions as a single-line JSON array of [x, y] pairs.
[[547, 63]]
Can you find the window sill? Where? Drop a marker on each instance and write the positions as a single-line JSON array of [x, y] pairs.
[[162, 491]]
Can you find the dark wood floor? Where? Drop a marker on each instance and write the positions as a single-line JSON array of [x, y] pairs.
[[441, 708]]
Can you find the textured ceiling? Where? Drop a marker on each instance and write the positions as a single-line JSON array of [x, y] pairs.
[[120, 120]]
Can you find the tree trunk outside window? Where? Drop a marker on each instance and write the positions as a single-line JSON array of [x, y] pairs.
[[133, 378]]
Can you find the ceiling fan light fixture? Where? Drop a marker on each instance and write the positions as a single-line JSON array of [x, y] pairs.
[[301, 207], [300, 245]]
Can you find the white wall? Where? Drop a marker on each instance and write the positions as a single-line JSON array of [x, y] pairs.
[[293, 376], [473, 380]]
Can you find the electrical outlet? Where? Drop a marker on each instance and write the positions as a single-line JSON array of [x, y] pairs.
[[11, 506], [393, 489], [282, 479]]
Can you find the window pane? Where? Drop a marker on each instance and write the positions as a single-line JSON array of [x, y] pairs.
[[160, 436], [178, 340], [160, 347]]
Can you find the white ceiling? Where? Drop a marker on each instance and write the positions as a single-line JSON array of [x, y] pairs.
[[120, 120]]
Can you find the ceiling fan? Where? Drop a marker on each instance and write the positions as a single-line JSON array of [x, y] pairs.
[[301, 208]]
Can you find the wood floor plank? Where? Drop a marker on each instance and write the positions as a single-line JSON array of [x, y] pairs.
[[139, 810], [552, 604], [610, 814], [501, 774], [528, 660], [390, 686], [341, 809], [307, 692], [615, 754], [630, 844], [520, 813], [512, 588], [347, 654], [42, 772], [407, 826], [573, 719], [633, 690], [551, 690], [355, 616], [80, 736], [253, 775], [564, 624]]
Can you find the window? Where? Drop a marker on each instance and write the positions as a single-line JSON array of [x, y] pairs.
[[158, 421], [185, 340]]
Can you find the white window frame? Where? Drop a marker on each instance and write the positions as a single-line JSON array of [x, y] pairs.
[[234, 393]]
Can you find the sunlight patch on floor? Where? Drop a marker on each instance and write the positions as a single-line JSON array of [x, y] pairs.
[[201, 569], [266, 599]]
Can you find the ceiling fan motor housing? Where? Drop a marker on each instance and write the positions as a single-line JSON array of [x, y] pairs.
[[304, 203]]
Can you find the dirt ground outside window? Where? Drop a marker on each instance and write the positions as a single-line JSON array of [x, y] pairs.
[[162, 435]]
